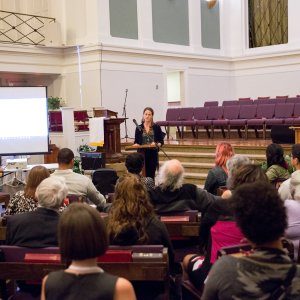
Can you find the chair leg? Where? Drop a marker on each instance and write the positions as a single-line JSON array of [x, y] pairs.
[[193, 131], [239, 133], [197, 132], [256, 133], [246, 132], [207, 132], [223, 132], [212, 131], [167, 131], [228, 131], [182, 132]]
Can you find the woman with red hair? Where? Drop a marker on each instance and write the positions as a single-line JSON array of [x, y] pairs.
[[217, 176]]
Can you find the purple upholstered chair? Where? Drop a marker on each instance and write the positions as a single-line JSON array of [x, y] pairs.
[[214, 113], [230, 102], [186, 117], [172, 119], [246, 112], [200, 114], [245, 101], [229, 113], [295, 120], [264, 111], [282, 111], [280, 100], [293, 100], [211, 103]]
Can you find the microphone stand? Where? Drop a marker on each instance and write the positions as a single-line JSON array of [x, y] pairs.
[[125, 115]]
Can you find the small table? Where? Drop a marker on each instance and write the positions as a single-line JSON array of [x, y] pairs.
[[297, 134]]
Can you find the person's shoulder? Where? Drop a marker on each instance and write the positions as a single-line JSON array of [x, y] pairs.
[[124, 290]]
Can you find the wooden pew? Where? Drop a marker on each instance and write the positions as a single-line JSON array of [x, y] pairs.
[[135, 271]]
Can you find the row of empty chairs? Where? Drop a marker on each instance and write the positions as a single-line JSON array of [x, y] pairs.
[[81, 120], [241, 117]]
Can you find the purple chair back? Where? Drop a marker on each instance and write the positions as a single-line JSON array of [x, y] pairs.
[[231, 112], [215, 113], [248, 111], [293, 100], [172, 114], [265, 111], [261, 101], [200, 113], [211, 103], [17, 254], [280, 100], [284, 110], [186, 114], [230, 102], [245, 102], [296, 113]]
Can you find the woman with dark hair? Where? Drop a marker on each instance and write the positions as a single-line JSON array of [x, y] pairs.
[[149, 133], [268, 272], [82, 238], [218, 227], [24, 201], [277, 168], [217, 176]]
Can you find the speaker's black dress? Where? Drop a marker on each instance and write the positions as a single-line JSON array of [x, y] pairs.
[[151, 155]]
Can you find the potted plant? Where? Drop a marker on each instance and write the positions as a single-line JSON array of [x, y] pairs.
[[54, 103]]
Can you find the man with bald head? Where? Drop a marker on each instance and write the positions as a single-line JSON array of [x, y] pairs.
[[172, 195]]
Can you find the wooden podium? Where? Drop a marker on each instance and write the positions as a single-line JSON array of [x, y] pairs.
[[112, 137], [142, 149], [297, 133]]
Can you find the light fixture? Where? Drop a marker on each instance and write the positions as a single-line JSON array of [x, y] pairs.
[[211, 3]]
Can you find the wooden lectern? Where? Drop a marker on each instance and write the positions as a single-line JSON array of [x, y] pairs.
[[297, 133], [112, 137], [142, 149]]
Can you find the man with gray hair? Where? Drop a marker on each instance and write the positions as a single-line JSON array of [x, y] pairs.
[[38, 229], [172, 195]]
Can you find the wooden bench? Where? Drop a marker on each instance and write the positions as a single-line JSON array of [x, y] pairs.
[[13, 267]]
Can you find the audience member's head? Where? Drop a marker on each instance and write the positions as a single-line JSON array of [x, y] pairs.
[[134, 163], [274, 154], [81, 233], [295, 185], [170, 175], [247, 174], [35, 177], [65, 157], [296, 156], [223, 152], [131, 207], [233, 163], [259, 212], [51, 192]]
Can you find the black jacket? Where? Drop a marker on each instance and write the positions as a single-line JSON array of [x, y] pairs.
[[35, 229], [188, 197], [158, 134]]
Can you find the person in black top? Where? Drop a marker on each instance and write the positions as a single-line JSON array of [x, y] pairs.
[[149, 133], [82, 238]]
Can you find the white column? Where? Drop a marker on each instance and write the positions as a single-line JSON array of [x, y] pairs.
[[68, 128], [145, 28], [195, 25], [293, 24]]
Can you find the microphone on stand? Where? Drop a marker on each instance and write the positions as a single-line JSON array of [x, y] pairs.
[[137, 125]]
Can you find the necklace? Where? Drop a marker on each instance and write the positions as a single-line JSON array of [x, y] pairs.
[[85, 270]]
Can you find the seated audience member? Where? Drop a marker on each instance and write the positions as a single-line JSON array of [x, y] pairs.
[[134, 163], [25, 201], [277, 168], [217, 176], [38, 229], [83, 279], [131, 219], [172, 195], [268, 272], [284, 189], [292, 206], [77, 184], [218, 227], [233, 164]]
